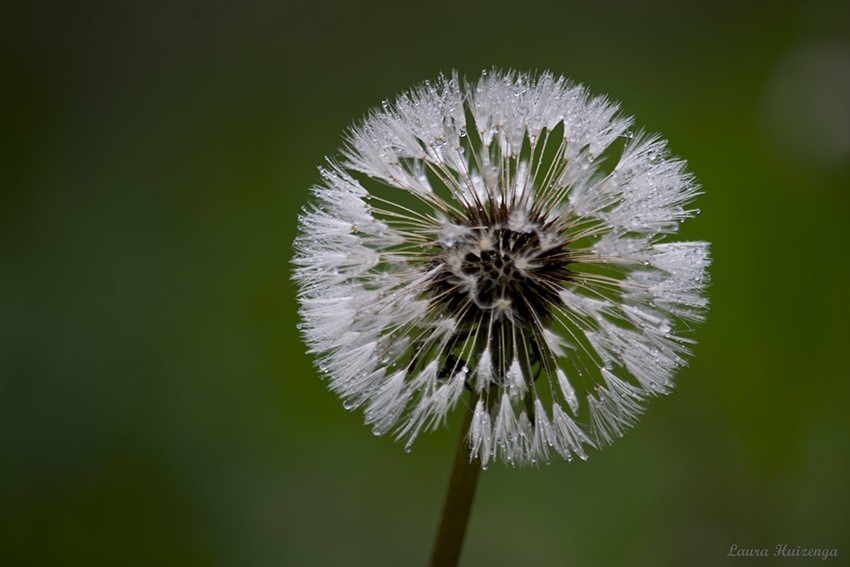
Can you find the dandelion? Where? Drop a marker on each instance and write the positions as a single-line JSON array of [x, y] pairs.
[[507, 238]]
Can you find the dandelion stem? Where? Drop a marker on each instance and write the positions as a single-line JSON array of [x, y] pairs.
[[458, 503]]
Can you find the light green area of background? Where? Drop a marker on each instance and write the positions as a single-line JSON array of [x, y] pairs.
[[156, 404]]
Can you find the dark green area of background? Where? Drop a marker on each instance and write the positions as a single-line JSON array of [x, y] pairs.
[[156, 404]]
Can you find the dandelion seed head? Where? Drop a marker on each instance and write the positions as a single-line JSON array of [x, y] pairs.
[[506, 236]]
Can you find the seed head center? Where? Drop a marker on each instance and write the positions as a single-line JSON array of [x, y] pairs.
[[497, 261], [507, 272]]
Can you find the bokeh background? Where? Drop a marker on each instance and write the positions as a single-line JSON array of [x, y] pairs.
[[156, 404]]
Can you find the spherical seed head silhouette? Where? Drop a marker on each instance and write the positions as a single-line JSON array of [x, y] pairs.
[[508, 237]]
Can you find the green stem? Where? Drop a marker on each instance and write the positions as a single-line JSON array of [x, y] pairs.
[[458, 503]]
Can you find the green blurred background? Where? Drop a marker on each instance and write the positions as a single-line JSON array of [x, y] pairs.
[[156, 404]]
